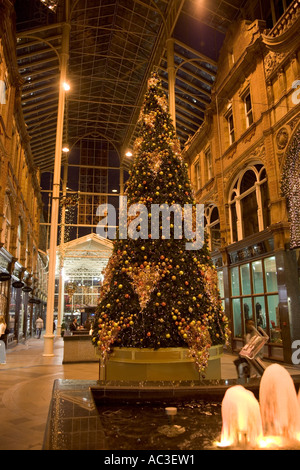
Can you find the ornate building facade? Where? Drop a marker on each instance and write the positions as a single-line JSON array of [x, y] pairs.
[[22, 268], [244, 166]]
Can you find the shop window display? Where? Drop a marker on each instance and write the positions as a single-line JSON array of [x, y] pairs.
[[254, 296], [245, 279]]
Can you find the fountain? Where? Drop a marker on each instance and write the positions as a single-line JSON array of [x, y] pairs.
[[279, 405], [242, 424], [273, 422]]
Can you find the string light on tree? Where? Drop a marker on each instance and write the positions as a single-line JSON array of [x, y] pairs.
[[290, 188]]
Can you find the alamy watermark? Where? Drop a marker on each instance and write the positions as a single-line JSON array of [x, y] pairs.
[[296, 354], [134, 222], [296, 93]]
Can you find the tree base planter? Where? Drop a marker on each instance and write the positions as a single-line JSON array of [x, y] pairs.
[[164, 364]]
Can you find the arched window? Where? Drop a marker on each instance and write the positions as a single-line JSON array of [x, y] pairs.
[[6, 225], [212, 226], [249, 203]]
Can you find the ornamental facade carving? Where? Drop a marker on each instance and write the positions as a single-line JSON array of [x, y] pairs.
[[282, 138], [272, 60]]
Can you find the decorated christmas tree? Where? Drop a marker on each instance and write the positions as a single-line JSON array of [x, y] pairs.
[[159, 291]]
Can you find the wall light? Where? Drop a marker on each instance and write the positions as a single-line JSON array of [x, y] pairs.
[[65, 149], [128, 154]]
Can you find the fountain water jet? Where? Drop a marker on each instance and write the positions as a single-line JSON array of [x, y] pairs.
[[280, 410], [242, 425]]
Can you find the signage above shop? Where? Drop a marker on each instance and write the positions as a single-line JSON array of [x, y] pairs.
[[4, 277], [27, 289], [18, 284]]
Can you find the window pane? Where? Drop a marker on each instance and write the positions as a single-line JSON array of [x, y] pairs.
[[264, 191], [275, 332], [221, 283], [231, 128], [249, 214], [271, 274], [233, 216], [248, 181], [250, 118], [214, 215], [248, 103], [215, 237], [230, 121], [12, 309], [247, 309], [249, 113], [208, 164], [235, 283], [257, 273], [237, 318], [245, 279], [260, 312], [21, 313]]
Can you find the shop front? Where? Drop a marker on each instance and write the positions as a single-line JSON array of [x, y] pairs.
[[261, 284], [17, 303]]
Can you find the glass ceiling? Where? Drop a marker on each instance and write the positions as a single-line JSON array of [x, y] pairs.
[[114, 46]]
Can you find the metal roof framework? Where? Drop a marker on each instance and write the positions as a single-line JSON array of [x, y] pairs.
[[85, 257], [114, 46]]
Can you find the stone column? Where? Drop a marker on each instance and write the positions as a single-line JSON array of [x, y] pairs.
[[49, 336]]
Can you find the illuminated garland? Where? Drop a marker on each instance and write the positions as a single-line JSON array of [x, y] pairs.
[[69, 204], [290, 187], [68, 201], [71, 288]]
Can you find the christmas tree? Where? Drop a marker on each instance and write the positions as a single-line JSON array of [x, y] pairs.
[[156, 292]]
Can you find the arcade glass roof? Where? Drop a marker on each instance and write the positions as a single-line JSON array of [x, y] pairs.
[[114, 47]]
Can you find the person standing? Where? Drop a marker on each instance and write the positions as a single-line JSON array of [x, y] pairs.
[[74, 325], [2, 336], [39, 325]]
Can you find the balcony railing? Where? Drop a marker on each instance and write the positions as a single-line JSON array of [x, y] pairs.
[[288, 18]]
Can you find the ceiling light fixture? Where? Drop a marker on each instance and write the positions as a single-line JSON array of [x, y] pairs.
[[128, 154]]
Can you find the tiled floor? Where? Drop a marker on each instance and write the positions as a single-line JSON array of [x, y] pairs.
[[26, 383]]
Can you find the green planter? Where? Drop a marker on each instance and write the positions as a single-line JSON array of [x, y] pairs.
[[164, 364]]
